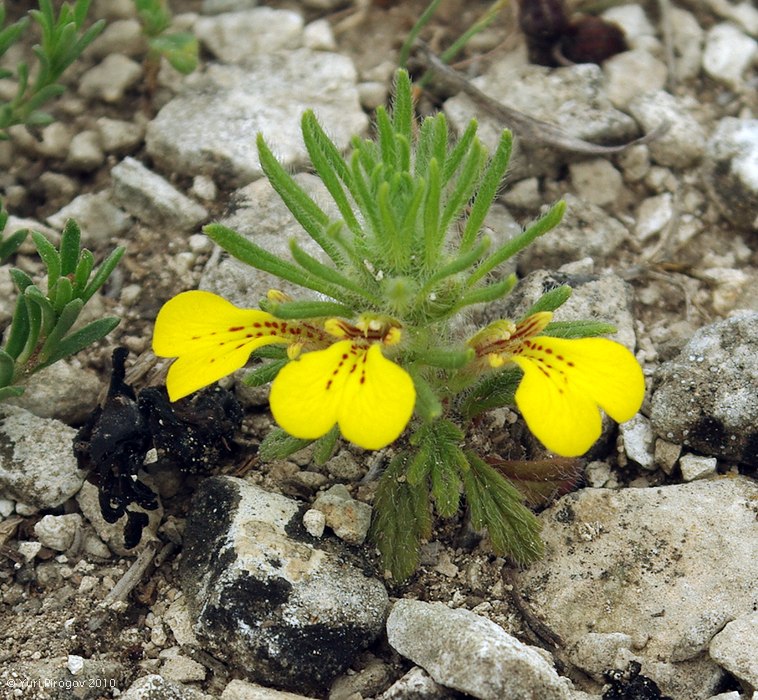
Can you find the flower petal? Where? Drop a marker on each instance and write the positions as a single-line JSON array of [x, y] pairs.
[[378, 401], [369, 396], [210, 337], [572, 377]]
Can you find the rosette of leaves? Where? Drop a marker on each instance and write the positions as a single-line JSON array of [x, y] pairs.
[[180, 49], [43, 328]]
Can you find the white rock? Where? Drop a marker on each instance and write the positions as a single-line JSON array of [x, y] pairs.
[[122, 36], [634, 162], [372, 93], [639, 440], [29, 550], [596, 181], [242, 690], [182, 669], [58, 531], [697, 467], [630, 73], [318, 35], [118, 136], [75, 664], [524, 194], [415, 684], [109, 80], [56, 138], [632, 19], [7, 506], [37, 464], [314, 521], [687, 39], [735, 646], [179, 621], [204, 188], [728, 54], [596, 653], [217, 7], [684, 143], [152, 199], [653, 215], [666, 455], [234, 37], [462, 650]]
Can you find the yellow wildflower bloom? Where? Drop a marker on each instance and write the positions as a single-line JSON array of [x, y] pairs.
[[566, 381], [211, 338], [350, 384]]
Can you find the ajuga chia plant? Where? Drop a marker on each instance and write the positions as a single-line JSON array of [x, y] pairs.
[[42, 329], [376, 356], [63, 39]]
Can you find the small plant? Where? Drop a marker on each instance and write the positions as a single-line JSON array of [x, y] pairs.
[[179, 48], [63, 39], [377, 357], [41, 332], [9, 244]]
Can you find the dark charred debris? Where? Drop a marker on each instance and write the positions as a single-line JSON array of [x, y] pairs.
[[193, 434]]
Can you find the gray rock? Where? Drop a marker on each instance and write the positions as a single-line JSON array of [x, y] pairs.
[[154, 687], [730, 170], [122, 36], [211, 127], [684, 143], [37, 464], [348, 518], [667, 566], [152, 199], [586, 230], [654, 214], [99, 219], [217, 7], [233, 37], [259, 214], [687, 40], [465, 651], [633, 20], [596, 181], [728, 54], [56, 139], [58, 531], [62, 391], [109, 80], [572, 98], [118, 136], [266, 601], [706, 397], [734, 648], [318, 35]]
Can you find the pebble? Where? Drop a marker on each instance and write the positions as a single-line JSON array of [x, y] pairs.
[[318, 35], [596, 181], [204, 188], [100, 221], [286, 596], [734, 648], [687, 39], [182, 669], [630, 73], [639, 441], [683, 144], [348, 518], [634, 162], [242, 690], [697, 467], [109, 80], [155, 687], [58, 531], [469, 653], [314, 521], [417, 684], [653, 215], [85, 153], [121, 36], [645, 562], [119, 136], [152, 199], [666, 455], [633, 20], [37, 464], [56, 138], [728, 54]]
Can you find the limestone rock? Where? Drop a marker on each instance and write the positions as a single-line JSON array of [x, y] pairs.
[[734, 648]]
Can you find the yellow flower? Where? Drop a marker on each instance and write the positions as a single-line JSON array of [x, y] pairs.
[[347, 382], [211, 338], [566, 381], [350, 384]]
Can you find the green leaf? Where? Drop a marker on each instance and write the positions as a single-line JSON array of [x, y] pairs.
[[462, 146], [402, 108], [80, 339], [402, 518], [494, 391], [50, 257], [465, 185], [180, 49], [578, 329], [278, 445], [550, 301], [309, 309], [446, 483], [83, 271], [102, 273], [8, 392], [323, 448], [495, 504], [21, 279], [10, 244], [68, 316], [264, 373], [19, 331], [7, 368], [48, 314], [69, 247], [428, 405], [489, 293], [445, 359]]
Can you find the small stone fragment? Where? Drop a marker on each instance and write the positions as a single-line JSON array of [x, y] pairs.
[[734, 648], [728, 54], [314, 521], [596, 181], [85, 153], [697, 467], [242, 690], [109, 80], [350, 519], [58, 531], [639, 440]]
